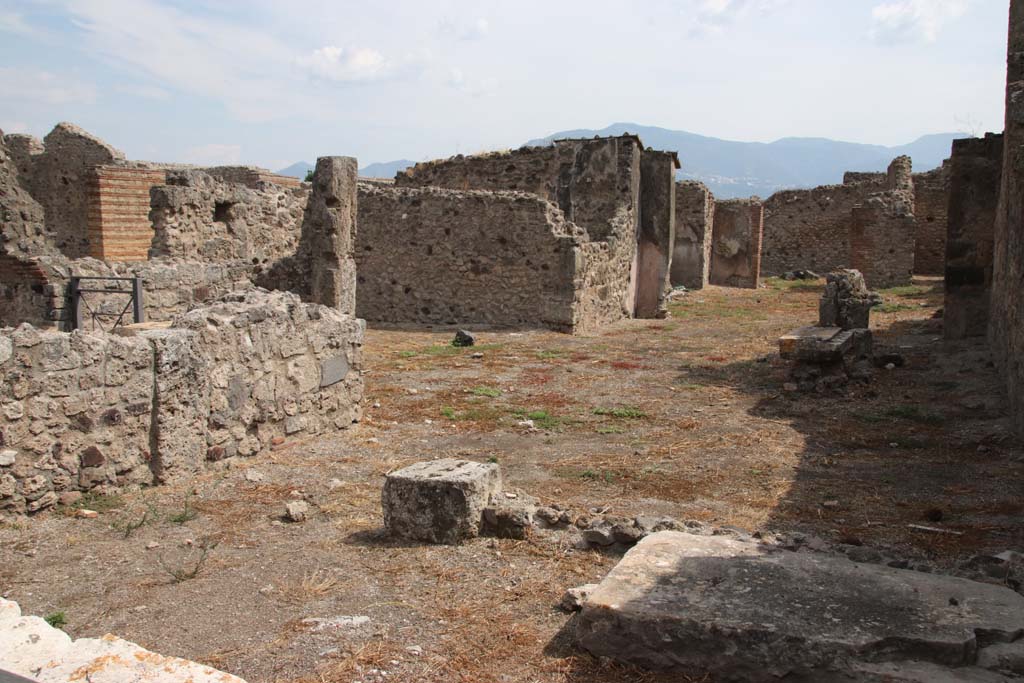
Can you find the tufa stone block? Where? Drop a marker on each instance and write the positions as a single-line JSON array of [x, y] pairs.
[[440, 501]]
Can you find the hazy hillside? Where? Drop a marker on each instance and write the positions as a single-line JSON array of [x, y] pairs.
[[387, 169], [741, 169]]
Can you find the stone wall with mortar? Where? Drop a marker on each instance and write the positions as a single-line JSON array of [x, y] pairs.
[[60, 180], [809, 229], [1006, 323], [437, 256], [975, 171], [736, 243], [882, 241], [82, 411], [691, 255], [197, 216], [931, 201]]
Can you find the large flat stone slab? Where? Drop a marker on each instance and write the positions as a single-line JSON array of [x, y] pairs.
[[32, 648], [439, 501], [814, 344], [736, 609]]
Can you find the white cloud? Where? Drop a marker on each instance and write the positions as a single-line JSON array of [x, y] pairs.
[[36, 85], [346, 65], [12, 22], [149, 92], [903, 21], [463, 30], [714, 16], [477, 87], [214, 155]]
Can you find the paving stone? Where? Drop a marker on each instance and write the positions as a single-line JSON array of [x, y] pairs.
[[678, 602], [439, 501], [32, 648]]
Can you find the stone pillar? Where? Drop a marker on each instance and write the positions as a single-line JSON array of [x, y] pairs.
[[691, 253], [882, 233], [1006, 322], [975, 174], [657, 232], [736, 243], [328, 234]]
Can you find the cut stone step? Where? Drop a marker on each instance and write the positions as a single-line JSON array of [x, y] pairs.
[[813, 344], [709, 604]]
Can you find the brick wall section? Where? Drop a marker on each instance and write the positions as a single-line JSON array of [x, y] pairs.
[[119, 201], [736, 243], [691, 255], [1006, 324], [931, 199], [975, 171]]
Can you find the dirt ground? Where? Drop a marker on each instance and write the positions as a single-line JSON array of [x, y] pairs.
[[684, 417]]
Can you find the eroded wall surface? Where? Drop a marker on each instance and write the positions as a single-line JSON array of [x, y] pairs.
[[931, 201], [1006, 326], [691, 255], [736, 243], [81, 411], [883, 230], [975, 175], [437, 256]]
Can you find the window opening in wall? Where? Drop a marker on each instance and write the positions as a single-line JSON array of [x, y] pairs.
[[222, 211]]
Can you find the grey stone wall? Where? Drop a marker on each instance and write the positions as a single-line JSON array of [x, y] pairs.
[[85, 411], [975, 171], [736, 243], [199, 217], [691, 255], [437, 256], [1006, 323], [931, 203]]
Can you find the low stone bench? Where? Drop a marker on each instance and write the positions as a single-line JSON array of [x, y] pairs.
[[439, 501]]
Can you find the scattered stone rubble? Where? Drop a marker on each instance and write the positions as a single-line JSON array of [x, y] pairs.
[[32, 648]]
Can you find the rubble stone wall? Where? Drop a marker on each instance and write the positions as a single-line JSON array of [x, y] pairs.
[[437, 256], [591, 181], [809, 229], [81, 411], [60, 182], [691, 256], [119, 224], [931, 200], [1006, 323], [975, 171], [736, 243], [198, 216], [882, 243], [252, 176]]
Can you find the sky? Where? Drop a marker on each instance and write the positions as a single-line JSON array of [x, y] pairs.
[[269, 83]]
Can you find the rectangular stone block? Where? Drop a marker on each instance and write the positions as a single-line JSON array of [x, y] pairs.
[[737, 610], [440, 501]]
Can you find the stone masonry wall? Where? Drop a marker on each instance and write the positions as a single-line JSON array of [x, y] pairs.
[[691, 256], [975, 171], [931, 200], [883, 230], [1006, 323], [60, 183], [197, 216], [809, 229], [119, 225], [736, 243], [437, 256], [83, 411]]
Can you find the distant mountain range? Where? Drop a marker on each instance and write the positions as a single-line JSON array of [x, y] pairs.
[[387, 169], [741, 169]]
